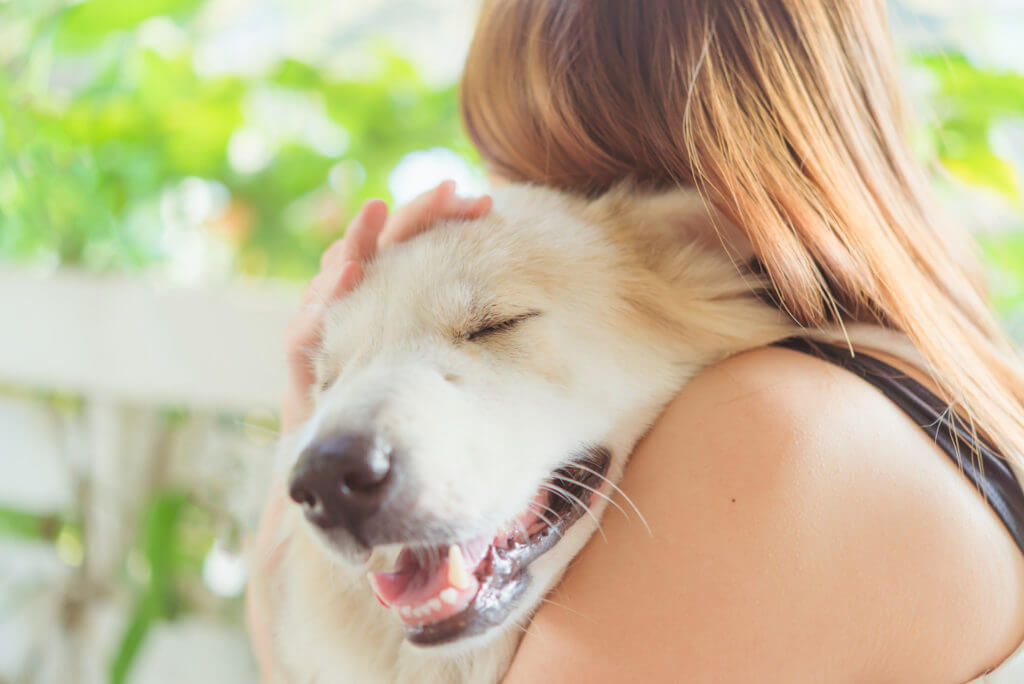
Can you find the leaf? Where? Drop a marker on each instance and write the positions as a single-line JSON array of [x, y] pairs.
[[85, 25], [23, 525], [969, 102], [157, 600]]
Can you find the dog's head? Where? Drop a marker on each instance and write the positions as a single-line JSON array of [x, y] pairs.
[[478, 393]]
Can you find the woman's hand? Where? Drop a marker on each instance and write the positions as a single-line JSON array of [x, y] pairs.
[[340, 271]]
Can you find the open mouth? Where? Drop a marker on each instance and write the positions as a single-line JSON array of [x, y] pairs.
[[444, 593]]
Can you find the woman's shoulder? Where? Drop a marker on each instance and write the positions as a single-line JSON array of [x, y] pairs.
[[802, 526]]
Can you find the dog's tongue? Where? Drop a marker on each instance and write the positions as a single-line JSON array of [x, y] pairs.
[[439, 582], [422, 590]]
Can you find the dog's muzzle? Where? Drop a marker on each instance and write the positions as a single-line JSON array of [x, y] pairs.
[[355, 486]]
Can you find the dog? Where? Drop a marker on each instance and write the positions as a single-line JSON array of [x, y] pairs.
[[479, 394]]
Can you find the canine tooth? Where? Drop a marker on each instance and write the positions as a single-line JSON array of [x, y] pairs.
[[434, 604], [449, 596], [406, 611], [458, 577]]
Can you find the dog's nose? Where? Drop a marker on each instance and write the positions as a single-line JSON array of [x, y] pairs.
[[342, 478]]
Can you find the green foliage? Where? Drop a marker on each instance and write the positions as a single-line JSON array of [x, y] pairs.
[[157, 599], [1004, 253], [34, 526], [86, 171], [969, 102], [86, 25]]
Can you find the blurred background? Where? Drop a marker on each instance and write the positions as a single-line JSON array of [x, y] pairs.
[[170, 172]]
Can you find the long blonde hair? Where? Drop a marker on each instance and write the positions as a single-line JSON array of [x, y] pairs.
[[787, 115]]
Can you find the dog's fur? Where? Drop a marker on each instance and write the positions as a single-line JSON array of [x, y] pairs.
[[634, 296]]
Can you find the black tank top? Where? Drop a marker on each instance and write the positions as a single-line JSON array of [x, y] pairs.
[[974, 456]]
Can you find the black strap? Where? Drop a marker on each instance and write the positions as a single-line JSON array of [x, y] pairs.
[[977, 459]]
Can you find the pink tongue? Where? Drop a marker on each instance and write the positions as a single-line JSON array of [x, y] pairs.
[[412, 583]]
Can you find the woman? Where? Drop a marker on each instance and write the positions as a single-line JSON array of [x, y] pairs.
[[806, 528]]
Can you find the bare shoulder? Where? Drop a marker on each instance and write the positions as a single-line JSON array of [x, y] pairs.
[[803, 529]]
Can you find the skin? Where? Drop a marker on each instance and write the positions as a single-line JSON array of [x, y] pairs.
[[804, 529]]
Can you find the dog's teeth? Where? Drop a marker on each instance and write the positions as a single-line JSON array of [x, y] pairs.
[[406, 611], [435, 604], [449, 596], [458, 577]]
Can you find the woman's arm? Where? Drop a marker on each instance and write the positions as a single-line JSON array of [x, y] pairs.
[[804, 530]]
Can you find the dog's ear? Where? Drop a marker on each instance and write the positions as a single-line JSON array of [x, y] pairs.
[[695, 283], [658, 224], [668, 218]]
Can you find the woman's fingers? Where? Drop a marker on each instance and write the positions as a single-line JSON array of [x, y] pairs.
[[364, 231], [435, 205], [326, 287], [316, 294], [349, 276], [300, 339], [422, 210], [340, 273], [360, 240]]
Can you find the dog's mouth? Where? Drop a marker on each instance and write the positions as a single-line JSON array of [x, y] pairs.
[[448, 592]]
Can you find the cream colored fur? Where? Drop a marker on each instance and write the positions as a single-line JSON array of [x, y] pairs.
[[636, 296]]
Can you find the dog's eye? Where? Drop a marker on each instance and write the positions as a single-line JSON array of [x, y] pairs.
[[490, 329]]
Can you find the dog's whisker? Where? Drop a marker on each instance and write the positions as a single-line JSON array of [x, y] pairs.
[[623, 494], [561, 495], [540, 514], [549, 523], [595, 491], [586, 508], [527, 631], [546, 508], [564, 607]]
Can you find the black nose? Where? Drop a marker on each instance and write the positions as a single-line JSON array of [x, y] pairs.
[[342, 479]]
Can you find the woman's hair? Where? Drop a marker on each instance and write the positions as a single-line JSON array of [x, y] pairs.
[[787, 115]]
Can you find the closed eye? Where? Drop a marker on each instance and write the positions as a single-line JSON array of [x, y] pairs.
[[493, 328]]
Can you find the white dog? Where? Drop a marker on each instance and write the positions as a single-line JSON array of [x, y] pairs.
[[480, 393]]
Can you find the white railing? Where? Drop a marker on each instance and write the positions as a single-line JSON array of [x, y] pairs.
[[132, 341], [128, 347]]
